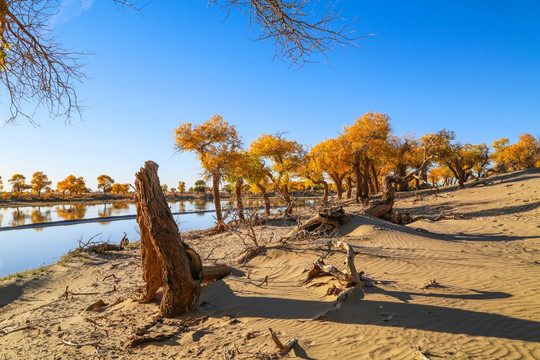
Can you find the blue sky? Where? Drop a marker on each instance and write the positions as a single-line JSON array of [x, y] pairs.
[[471, 67]]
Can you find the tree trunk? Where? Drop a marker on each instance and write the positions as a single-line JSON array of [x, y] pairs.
[[266, 199], [365, 182], [358, 175], [339, 185], [217, 199], [164, 257], [374, 178], [239, 205], [287, 199], [349, 187], [325, 196]]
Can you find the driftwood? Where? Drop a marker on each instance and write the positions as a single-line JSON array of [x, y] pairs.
[[380, 208], [339, 301], [165, 261], [449, 216], [348, 278], [324, 221], [282, 349], [215, 272], [67, 293]]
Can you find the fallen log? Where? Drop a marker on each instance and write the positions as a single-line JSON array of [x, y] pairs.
[[214, 273], [324, 221]]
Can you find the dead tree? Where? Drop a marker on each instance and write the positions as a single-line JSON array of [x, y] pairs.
[[164, 258], [383, 207], [324, 221]]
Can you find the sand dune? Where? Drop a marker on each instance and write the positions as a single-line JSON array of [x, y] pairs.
[[484, 302]]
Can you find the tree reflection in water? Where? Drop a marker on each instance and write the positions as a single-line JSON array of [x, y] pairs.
[[19, 217], [71, 212], [39, 216]]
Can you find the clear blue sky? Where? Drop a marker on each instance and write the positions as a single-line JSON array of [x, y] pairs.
[[471, 67]]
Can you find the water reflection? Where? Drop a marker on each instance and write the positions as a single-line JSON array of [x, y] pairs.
[[18, 217], [199, 205], [120, 208], [71, 212], [39, 216], [105, 211]]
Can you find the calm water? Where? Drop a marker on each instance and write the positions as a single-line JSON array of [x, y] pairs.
[[29, 248]]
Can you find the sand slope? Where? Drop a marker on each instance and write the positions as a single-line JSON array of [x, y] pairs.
[[486, 304]]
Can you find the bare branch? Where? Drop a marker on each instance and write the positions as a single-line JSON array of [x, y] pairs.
[[299, 29]]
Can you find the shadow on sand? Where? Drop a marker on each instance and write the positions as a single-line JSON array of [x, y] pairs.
[[220, 300]]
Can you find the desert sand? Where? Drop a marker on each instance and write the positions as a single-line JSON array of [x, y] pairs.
[[463, 287]]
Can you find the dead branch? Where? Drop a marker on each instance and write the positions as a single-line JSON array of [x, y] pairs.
[[69, 293], [321, 224], [249, 254], [449, 216], [93, 343], [348, 278], [265, 281], [424, 354], [96, 306], [432, 283], [108, 276], [6, 332], [141, 340], [282, 349], [93, 322]]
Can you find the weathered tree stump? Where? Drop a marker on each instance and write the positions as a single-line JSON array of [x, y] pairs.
[[164, 259], [325, 220]]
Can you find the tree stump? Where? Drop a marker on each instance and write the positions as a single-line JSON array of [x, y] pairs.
[[164, 259]]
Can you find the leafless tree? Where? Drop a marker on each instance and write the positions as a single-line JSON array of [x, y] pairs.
[[300, 29], [35, 69]]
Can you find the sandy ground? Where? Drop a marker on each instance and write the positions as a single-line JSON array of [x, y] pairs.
[[485, 302]]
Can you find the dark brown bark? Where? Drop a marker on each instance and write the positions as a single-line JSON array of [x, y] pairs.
[[349, 187], [161, 240], [374, 179], [338, 181], [266, 199], [217, 199], [287, 199], [239, 206], [358, 179]]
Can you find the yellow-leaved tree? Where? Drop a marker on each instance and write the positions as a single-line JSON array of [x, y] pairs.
[[18, 183], [525, 154], [72, 184], [181, 187], [282, 159], [105, 183], [214, 142], [335, 158], [367, 139], [39, 182]]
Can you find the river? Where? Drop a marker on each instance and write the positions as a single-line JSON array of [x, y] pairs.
[[27, 240]]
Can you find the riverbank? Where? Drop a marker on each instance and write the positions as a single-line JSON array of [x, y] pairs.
[[462, 283], [7, 201]]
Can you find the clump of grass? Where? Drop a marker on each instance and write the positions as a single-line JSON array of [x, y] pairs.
[[22, 274], [133, 244]]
